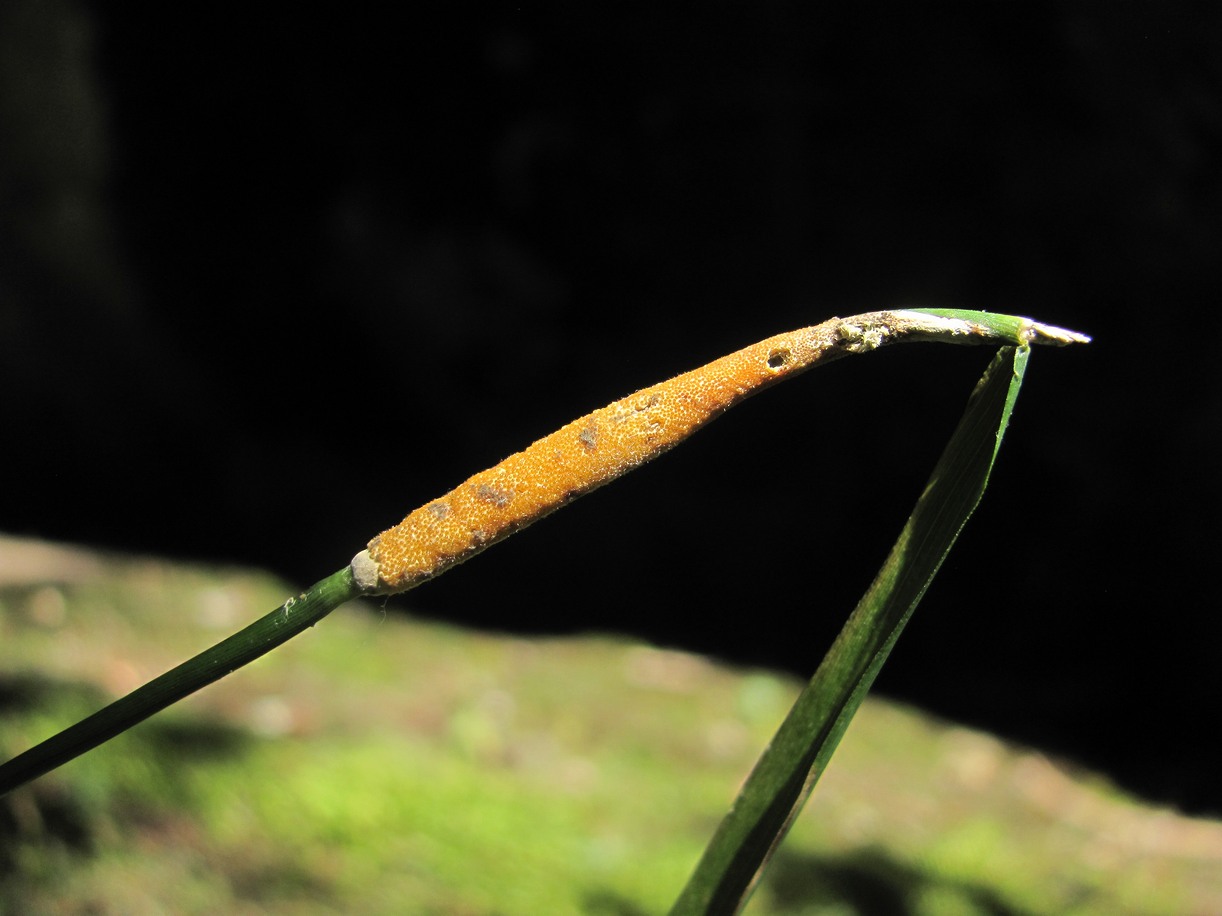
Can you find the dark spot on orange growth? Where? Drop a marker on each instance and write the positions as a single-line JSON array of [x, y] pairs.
[[589, 437], [439, 510], [490, 494], [778, 358]]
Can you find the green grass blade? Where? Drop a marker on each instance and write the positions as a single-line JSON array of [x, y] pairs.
[[243, 647], [1012, 328], [788, 769]]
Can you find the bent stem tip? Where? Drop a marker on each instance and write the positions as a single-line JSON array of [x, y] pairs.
[[970, 326]]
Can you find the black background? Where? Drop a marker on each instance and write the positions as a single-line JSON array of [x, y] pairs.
[[267, 285]]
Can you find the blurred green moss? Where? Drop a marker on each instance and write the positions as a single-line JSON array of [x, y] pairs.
[[380, 764]]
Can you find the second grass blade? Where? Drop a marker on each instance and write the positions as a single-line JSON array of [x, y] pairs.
[[788, 769]]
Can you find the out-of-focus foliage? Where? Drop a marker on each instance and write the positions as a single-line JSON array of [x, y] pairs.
[[384, 765]]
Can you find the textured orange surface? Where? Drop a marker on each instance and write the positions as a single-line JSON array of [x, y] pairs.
[[586, 454]]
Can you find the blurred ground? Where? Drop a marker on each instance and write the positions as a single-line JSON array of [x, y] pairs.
[[378, 764]]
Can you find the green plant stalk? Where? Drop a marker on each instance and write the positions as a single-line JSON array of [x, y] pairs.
[[858, 334], [242, 648], [787, 771]]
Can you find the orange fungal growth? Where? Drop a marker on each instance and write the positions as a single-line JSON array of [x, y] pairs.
[[613, 440], [581, 457]]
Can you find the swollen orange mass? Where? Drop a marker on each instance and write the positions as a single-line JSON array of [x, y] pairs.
[[584, 455]]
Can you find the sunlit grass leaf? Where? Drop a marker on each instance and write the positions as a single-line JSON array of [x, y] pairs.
[[799, 753]]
